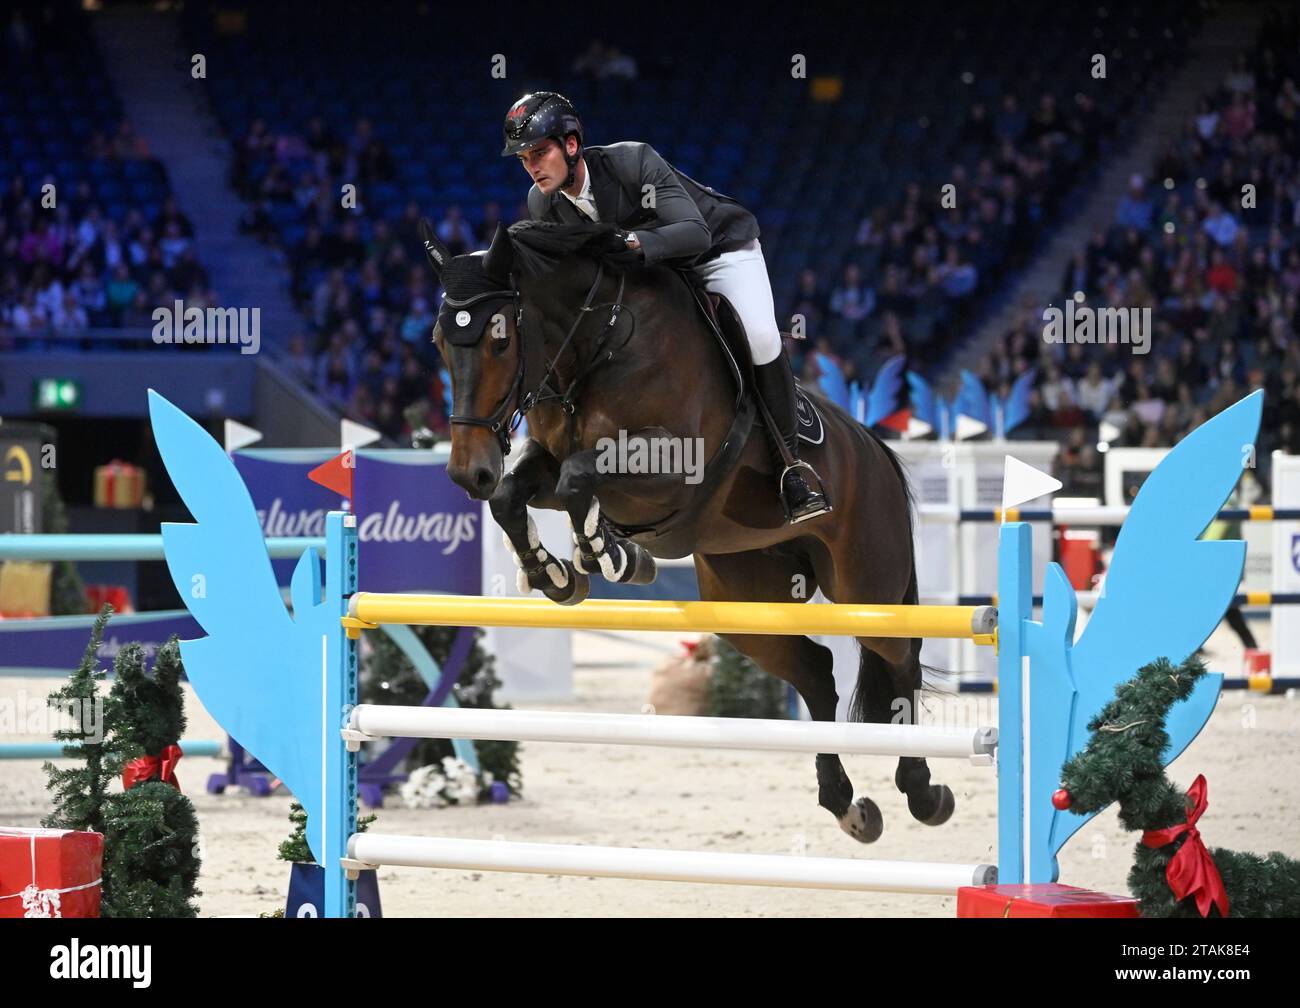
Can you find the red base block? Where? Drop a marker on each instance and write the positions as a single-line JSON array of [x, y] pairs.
[[49, 872], [1046, 900]]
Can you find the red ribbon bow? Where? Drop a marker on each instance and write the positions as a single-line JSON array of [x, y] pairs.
[[143, 769], [1191, 870]]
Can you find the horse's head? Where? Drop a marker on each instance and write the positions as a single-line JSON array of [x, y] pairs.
[[477, 335], [548, 265]]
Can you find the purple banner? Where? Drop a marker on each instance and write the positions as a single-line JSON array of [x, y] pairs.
[[56, 644], [418, 530]]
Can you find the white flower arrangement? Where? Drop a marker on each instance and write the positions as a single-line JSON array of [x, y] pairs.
[[453, 782]]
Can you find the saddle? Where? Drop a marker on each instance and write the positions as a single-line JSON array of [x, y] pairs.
[[729, 331]]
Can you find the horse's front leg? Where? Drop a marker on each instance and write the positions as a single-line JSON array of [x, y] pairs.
[[596, 548], [533, 479]]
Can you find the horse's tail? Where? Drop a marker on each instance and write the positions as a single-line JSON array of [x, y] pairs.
[[880, 686]]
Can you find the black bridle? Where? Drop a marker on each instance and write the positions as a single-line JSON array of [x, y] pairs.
[[511, 410], [496, 421]]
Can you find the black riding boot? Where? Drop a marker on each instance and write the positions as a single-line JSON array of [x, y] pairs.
[[775, 383]]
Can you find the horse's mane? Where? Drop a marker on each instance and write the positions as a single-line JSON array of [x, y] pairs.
[[540, 246]]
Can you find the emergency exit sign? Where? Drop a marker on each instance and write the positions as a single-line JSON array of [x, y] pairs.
[[57, 394]]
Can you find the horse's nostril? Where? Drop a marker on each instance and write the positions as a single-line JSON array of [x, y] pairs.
[[483, 479]]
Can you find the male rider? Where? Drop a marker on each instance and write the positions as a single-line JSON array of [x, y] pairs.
[[682, 223]]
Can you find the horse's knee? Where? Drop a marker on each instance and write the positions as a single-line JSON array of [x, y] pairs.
[[509, 502]]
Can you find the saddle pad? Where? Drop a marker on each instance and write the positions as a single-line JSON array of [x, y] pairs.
[[811, 428]]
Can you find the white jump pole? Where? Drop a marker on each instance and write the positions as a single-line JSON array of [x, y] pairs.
[[383, 721], [375, 849]]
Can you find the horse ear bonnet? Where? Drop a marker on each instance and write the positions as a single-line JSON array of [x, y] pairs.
[[464, 278]]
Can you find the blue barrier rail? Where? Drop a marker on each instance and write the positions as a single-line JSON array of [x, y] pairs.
[[117, 546]]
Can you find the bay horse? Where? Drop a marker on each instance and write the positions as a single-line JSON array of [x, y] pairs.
[[545, 323]]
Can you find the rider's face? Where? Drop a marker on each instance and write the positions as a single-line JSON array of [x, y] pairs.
[[545, 163]]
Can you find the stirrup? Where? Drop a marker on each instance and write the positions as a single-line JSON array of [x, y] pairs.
[[812, 512]]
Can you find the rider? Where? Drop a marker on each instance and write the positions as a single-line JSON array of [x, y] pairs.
[[668, 217]]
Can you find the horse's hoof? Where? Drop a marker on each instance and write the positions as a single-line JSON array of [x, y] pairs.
[[863, 821], [573, 591], [643, 566], [937, 805]]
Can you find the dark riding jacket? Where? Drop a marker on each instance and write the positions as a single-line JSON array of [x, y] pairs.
[[687, 222]]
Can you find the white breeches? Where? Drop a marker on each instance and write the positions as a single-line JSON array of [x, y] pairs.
[[741, 277]]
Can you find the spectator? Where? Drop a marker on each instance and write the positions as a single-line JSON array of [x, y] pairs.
[[591, 63], [487, 229], [1094, 392], [1207, 120], [1239, 118], [455, 232], [957, 277], [619, 65], [1221, 277], [810, 302], [1220, 225], [1135, 208]]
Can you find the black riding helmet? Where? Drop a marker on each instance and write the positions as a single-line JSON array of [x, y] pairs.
[[537, 116]]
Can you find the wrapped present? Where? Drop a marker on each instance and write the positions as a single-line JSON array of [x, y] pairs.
[[119, 485], [25, 588], [1044, 900], [115, 595], [49, 872]]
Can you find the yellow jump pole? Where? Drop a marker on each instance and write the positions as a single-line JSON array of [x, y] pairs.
[[370, 609]]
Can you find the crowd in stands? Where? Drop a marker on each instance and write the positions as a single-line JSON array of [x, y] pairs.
[[70, 268], [363, 285], [370, 299], [910, 279], [883, 264], [1208, 245], [90, 237]]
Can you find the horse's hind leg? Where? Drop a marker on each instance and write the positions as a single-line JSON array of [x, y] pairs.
[[533, 479], [889, 690], [889, 672], [771, 577]]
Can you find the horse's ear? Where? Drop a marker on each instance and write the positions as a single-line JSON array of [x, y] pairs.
[[437, 252], [500, 258]]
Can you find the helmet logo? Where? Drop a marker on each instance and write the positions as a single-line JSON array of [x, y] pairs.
[[462, 318]]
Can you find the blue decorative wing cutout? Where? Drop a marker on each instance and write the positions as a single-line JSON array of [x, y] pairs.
[[883, 400], [259, 671], [922, 400], [857, 403], [831, 381], [1015, 410], [1165, 592], [972, 400]]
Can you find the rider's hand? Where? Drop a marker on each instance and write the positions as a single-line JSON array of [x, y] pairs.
[[617, 251]]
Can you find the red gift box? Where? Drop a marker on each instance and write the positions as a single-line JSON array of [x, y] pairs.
[[115, 595], [1046, 900], [49, 872]]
